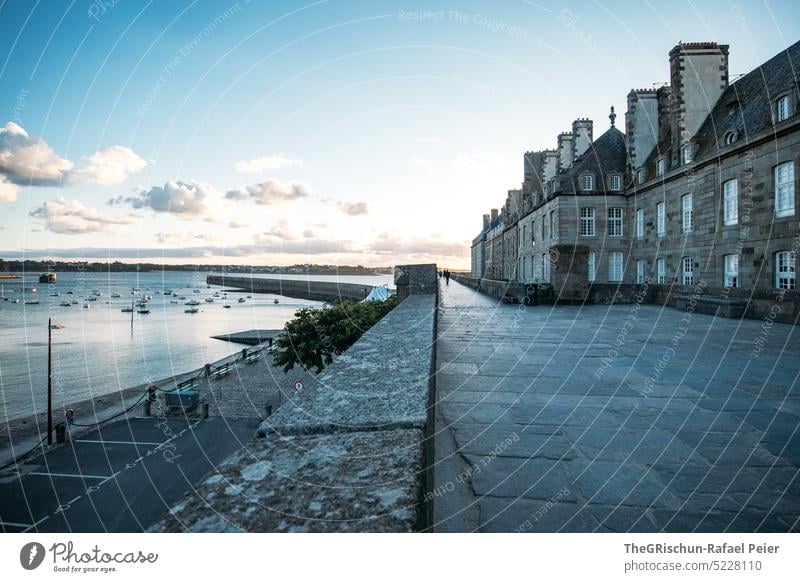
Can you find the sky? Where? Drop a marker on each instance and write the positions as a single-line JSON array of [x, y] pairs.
[[330, 131]]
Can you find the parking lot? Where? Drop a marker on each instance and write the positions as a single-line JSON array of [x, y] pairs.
[[120, 477]]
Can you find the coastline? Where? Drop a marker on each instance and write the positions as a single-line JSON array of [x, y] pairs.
[[19, 435]]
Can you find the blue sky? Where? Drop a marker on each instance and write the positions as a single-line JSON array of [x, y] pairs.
[[328, 131]]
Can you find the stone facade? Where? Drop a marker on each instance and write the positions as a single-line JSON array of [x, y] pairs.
[[718, 156]]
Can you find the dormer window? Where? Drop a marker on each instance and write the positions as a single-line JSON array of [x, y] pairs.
[[587, 183], [615, 183], [687, 154], [731, 137], [641, 175], [661, 166], [783, 108]]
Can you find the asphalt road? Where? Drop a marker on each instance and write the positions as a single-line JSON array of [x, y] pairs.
[[121, 477]]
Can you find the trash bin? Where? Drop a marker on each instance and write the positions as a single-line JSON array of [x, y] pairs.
[[61, 433]]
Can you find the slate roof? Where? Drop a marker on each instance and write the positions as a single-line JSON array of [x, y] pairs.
[[746, 106], [607, 155]]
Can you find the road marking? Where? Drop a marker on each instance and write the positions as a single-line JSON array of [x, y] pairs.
[[45, 518], [14, 524], [117, 442], [44, 474]]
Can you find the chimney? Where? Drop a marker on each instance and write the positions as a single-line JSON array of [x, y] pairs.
[[582, 132], [550, 168], [641, 125], [564, 150], [664, 104], [486, 219], [698, 75], [494, 212]]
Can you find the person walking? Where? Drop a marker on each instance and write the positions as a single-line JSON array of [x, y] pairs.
[[447, 277]]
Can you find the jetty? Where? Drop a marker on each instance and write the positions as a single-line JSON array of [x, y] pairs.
[[251, 337], [329, 291]]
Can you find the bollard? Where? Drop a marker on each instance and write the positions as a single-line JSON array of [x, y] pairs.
[[203, 410], [208, 370], [146, 408], [244, 354], [61, 433], [270, 342]]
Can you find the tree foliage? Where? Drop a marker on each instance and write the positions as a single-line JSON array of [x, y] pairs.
[[314, 336]]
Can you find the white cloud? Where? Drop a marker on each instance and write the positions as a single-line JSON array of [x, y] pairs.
[[353, 208], [271, 192], [419, 160], [431, 247], [29, 160], [8, 191], [110, 166], [480, 161], [171, 238], [190, 199], [72, 217], [262, 164]]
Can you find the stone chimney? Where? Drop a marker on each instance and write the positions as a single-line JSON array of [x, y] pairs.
[[641, 125], [550, 166], [486, 220], [564, 150], [582, 132], [698, 76], [664, 104], [495, 213]]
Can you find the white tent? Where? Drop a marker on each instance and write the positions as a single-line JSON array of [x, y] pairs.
[[377, 294]]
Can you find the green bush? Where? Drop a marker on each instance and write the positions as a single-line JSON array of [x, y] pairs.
[[314, 336]]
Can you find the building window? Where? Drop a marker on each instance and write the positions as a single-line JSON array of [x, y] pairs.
[[641, 175], [731, 270], [533, 232], [784, 189], [661, 166], [615, 222], [688, 154], [783, 108], [731, 137], [661, 271], [640, 223], [730, 202], [544, 227], [615, 266], [587, 221], [785, 274], [688, 271], [616, 183], [553, 224], [687, 214], [587, 183], [661, 220], [641, 265], [592, 266], [545, 268]]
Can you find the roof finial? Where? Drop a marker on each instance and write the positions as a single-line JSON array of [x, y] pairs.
[[612, 116]]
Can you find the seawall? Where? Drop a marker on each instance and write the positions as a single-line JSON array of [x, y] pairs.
[[329, 291], [350, 451]]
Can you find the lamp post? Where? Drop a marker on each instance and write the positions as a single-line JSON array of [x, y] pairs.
[[49, 381]]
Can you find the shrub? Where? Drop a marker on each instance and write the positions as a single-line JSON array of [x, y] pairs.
[[314, 336]]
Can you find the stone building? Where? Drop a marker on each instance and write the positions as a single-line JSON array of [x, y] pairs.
[[701, 187]]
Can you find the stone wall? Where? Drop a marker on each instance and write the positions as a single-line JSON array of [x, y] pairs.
[[302, 289], [347, 452]]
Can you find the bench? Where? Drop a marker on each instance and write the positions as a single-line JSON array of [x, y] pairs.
[[720, 306], [221, 370], [189, 384], [252, 357]]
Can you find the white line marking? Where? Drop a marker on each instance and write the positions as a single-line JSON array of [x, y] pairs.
[[44, 474], [14, 524], [45, 518], [117, 442]]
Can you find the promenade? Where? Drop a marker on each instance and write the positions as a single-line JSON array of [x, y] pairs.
[[623, 418]]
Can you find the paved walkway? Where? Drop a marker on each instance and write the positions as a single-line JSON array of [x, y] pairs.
[[623, 418]]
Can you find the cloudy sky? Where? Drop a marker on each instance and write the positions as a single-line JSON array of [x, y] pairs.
[[327, 131]]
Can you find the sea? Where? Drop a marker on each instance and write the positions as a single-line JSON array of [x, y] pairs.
[[95, 351]]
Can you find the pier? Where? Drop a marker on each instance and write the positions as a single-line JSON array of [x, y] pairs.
[[329, 291]]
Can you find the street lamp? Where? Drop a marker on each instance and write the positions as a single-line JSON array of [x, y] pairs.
[[50, 327]]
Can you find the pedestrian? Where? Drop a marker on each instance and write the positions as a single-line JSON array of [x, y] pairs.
[[447, 277]]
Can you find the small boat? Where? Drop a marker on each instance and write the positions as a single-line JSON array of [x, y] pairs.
[[216, 294], [173, 302], [167, 291], [209, 300], [56, 294], [174, 294], [96, 293], [241, 299], [65, 304], [15, 301], [74, 302], [48, 277], [92, 298], [195, 290], [127, 310], [86, 306], [116, 295], [192, 303], [226, 306], [32, 302], [182, 298], [191, 310], [276, 301], [70, 292], [143, 310]]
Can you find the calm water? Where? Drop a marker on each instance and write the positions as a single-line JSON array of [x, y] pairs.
[[95, 352]]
